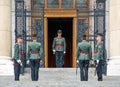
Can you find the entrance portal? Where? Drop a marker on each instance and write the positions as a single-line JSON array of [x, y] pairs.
[[66, 25]]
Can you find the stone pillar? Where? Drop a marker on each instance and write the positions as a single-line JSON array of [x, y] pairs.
[[114, 13], [5, 28], [5, 38]]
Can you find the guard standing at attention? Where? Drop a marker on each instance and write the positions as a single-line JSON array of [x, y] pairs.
[[84, 55], [17, 57], [98, 56], [22, 60], [59, 48], [34, 56]]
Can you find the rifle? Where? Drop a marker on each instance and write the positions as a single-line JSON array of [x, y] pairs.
[[95, 71], [77, 66], [21, 63], [96, 65]]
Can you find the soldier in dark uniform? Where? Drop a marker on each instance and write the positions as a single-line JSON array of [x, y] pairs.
[[84, 55], [98, 56], [59, 48], [34, 55], [22, 60], [17, 57]]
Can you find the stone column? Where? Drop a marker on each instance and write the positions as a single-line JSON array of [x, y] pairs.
[[5, 28], [114, 13], [5, 38]]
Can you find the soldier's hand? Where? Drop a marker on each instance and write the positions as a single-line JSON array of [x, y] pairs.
[[28, 61], [77, 61], [40, 61], [19, 61], [21, 64], [53, 51], [97, 61]]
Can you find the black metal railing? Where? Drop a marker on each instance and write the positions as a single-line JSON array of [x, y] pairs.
[[22, 15], [99, 16]]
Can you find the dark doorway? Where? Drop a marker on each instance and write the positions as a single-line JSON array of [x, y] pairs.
[[66, 25]]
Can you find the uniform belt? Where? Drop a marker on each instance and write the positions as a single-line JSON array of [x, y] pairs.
[[83, 52], [20, 53], [95, 52], [59, 44], [34, 52]]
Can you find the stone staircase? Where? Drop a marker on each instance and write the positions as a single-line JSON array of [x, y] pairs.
[[59, 77]]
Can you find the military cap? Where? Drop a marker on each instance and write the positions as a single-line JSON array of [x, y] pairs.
[[34, 35], [84, 36], [19, 36], [99, 34], [59, 31]]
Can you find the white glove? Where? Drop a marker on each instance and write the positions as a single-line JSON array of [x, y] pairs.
[[77, 61], [28, 61], [53, 51], [64, 52], [19, 61], [91, 62], [97, 61]]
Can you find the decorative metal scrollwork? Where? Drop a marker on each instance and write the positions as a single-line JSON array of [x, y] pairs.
[[82, 28], [21, 14], [98, 14]]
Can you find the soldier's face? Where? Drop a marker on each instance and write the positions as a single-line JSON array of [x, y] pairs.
[[59, 34], [98, 38], [20, 40]]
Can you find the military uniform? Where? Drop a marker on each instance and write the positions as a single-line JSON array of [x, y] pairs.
[[17, 60], [84, 54], [98, 57], [59, 47], [34, 55], [22, 59]]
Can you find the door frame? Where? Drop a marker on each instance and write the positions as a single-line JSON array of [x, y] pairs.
[[46, 40]]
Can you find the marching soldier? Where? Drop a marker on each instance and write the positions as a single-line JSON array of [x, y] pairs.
[[84, 55], [34, 55], [98, 56], [59, 48], [17, 57]]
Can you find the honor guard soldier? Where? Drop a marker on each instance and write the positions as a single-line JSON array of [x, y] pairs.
[[84, 55], [98, 56], [59, 48], [22, 60], [34, 57], [17, 57]]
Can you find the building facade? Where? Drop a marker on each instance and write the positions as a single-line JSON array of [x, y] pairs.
[[60, 14]]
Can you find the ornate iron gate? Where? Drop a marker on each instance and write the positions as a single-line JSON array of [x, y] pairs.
[[98, 16], [24, 15]]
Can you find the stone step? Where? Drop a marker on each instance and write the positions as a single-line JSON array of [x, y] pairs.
[[59, 77], [60, 73]]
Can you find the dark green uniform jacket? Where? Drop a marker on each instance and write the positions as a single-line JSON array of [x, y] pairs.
[[98, 54], [34, 50], [17, 52], [84, 51], [59, 44]]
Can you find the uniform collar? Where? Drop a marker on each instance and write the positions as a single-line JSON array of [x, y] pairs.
[[18, 43], [84, 41], [34, 41], [59, 37], [99, 42]]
